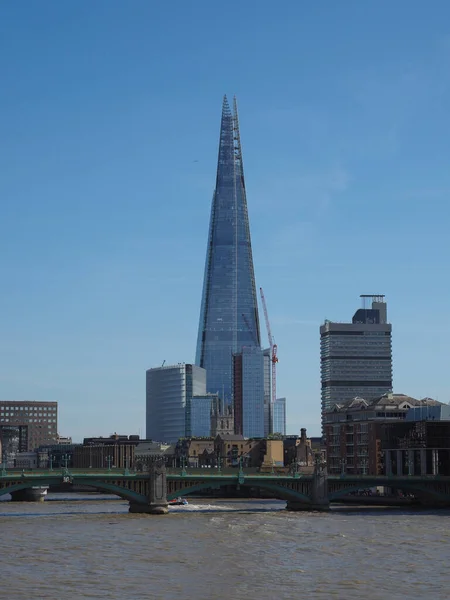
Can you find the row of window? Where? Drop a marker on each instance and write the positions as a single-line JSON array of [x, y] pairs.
[[7, 420], [32, 409]]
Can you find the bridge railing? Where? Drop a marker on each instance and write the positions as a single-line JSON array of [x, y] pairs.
[[15, 472], [226, 471]]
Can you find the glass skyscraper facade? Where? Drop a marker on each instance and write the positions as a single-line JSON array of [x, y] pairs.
[[229, 310], [248, 391], [267, 391], [279, 416], [168, 391], [198, 415]]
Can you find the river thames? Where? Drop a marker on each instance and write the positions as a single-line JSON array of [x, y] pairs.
[[89, 547]]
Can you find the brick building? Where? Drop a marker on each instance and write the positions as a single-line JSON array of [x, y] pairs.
[[26, 425], [354, 431]]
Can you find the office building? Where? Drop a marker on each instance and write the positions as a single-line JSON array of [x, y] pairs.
[[248, 391], [26, 425], [229, 311], [198, 415], [279, 416], [267, 391], [356, 357], [168, 390]]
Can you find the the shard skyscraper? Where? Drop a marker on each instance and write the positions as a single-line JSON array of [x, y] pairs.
[[229, 310]]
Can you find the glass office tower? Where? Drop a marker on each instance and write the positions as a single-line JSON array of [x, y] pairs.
[[229, 310], [279, 416], [198, 415], [248, 384], [169, 390]]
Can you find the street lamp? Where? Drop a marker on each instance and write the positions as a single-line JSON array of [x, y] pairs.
[[109, 461], [65, 458], [4, 466], [410, 463], [51, 458], [183, 465], [343, 466]]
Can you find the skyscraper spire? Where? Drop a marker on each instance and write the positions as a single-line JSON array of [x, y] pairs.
[[229, 310], [226, 107]]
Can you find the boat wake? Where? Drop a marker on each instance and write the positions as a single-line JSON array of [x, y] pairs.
[[201, 508]]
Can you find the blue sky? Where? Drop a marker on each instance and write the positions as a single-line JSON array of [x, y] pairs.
[[110, 115]]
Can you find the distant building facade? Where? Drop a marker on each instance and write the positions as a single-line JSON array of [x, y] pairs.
[[146, 451], [420, 444], [356, 357], [353, 431], [279, 416], [198, 415], [26, 425], [168, 390], [267, 392], [248, 391]]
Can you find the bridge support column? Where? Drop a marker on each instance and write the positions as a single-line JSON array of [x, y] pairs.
[[319, 493], [157, 496], [388, 462], [423, 461]]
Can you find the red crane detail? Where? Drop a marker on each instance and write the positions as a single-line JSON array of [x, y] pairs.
[[273, 348]]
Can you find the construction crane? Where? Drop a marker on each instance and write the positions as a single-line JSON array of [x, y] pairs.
[[273, 348]]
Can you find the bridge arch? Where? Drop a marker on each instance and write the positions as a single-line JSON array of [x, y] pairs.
[[422, 493], [280, 492], [100, 486]]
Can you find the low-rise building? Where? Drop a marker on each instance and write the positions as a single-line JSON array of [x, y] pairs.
[[26, 460], [195, 452], [116, 451], [418, 447], [272, 453], [232, 449], [354, 430], [147, 451], [298, 451], [56, 455]]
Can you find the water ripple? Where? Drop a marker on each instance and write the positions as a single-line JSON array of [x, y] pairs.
[[87, 549]]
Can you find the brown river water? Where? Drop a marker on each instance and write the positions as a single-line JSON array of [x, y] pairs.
[[90, 547]]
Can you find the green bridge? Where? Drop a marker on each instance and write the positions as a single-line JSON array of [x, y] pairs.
[[149, 492]]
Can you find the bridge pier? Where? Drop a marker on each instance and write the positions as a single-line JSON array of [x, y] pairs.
[[157, 495], [319, 499]]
